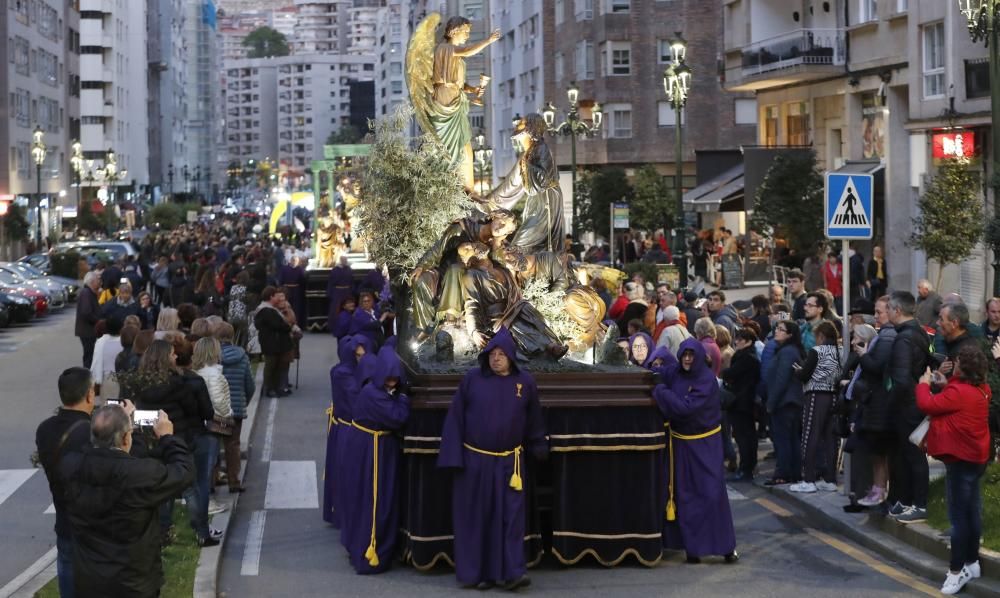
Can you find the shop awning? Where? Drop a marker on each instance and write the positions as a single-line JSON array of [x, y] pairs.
[[711, 196], [873, 167]]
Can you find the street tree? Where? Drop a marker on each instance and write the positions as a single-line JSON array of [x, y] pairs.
[[789, 203], [951, 220], [596, 191], [652, 201], [15, 223], [346, 134], [265, 42]]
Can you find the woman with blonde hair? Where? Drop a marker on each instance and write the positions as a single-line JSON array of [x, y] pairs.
[[205, 363], [166, 322]]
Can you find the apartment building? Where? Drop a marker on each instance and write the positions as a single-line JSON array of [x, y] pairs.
[[873, 87], [113, 96], [249, 97], [393, 28], [38, 86]]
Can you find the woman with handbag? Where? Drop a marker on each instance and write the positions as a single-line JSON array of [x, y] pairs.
[[959, 436]]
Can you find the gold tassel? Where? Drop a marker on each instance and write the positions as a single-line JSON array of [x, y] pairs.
[[371, 555], [515, 480], [671, 507], [671, 510]]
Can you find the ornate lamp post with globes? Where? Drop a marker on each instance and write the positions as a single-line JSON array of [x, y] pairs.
[[483, 160], [573, 127], [38, 151], [677, 84], [76, 162], [112, 176], [984, 26]]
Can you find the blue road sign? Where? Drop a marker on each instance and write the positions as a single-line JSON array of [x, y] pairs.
[[848, 206]]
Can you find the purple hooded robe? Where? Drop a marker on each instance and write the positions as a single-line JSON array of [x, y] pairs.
[[343, 388], [372, 455], [650, 345], [339, 286], [689, 400], [495, 414]]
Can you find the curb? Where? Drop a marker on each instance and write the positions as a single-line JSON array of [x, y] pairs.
[[206, 576], [915, 546]]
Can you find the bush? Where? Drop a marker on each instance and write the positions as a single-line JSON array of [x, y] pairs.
[[648, 271], [65, 264]]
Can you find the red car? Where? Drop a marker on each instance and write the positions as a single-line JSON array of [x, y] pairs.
[[36, 297]]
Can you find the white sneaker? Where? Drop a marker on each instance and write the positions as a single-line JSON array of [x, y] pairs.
[[804, 487], [875, 497], [974, 570], [215, 508], [954, 582], [826, 486]]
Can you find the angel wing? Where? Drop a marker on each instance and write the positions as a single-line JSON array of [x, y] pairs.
[[420, 68]]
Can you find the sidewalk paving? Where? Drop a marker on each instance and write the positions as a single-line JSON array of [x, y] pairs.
[[916, 546]]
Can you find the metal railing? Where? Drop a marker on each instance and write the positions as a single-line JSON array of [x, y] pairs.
[[799, 47]]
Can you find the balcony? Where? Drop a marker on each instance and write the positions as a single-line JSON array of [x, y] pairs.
[[796, 56]]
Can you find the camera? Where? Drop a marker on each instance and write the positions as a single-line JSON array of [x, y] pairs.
[[145, 418]]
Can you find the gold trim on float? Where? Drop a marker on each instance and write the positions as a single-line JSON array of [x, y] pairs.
[[608, 536], [614, 563], [597, 448], [422, 438], [419, 451], [623, 435], [434, 561]]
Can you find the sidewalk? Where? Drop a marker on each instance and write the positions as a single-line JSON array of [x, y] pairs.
[[916, 546]]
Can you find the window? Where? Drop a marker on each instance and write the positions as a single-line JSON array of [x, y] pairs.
[[560, 10], [770, 129], [933, 36], [746, 111], [902, 5], [583, 9], [616, 58], [395, 68], [474, 10], [663, 51], [797, 122], [21, 54], [560, 67], [619, 6], [668, 116], [867, 11], [620, 120], [977, 78], [584, 60], [47, 67]]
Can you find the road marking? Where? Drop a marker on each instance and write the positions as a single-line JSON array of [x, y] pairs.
[[864, 559], [773, 507], [11, 480], [291, 485], [255, 540], [28, 574], [734, 494], [51, 510], [272, 409]]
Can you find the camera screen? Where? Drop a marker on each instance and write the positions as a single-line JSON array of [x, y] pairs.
[[143, 418]]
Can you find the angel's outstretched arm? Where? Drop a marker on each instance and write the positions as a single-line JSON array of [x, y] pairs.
[[476, 48]]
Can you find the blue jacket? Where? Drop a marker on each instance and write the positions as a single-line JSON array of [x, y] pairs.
[[236, 369], [783, 387]]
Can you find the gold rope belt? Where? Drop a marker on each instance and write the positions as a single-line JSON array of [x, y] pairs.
[[671, 506], [515, 480], [371, 554], [334, 420]]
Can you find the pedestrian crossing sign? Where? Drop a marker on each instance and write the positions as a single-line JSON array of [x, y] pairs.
[[848, 206]]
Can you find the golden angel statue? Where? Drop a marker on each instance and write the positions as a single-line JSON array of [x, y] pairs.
[[329, 237], [435, 76]]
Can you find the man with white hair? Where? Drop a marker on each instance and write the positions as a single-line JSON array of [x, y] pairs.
[[928, 303], [88, 312], [673, 332]]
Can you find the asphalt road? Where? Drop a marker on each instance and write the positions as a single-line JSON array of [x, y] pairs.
[[278, 544], [31, 358]]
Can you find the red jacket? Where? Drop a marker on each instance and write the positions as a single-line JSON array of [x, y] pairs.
[[834, 282], [959, 421], [618, 308]]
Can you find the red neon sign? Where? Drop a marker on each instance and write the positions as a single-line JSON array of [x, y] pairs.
[[954, 145]]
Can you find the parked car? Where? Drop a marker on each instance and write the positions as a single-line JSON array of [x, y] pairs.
[[55, 292], [4, 315], [70, 285], [117, 249], [20, 308]]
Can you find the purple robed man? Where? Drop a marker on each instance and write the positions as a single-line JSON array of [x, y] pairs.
[[339, 286], [698, 517], [661, 362], [372, 453], [366, 320], [342, 325], [343, 389], [293, 277], [494, 416]]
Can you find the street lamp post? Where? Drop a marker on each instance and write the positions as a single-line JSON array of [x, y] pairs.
[[573, 127], [170, 178], [76, 162], [38, 154], [677, 84], [112, 176], [483, 161], [187, 178], [984, 25]]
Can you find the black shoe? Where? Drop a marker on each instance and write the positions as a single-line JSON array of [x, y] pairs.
[[207, 541], [272, 395], [288, 389], [514, 585], [732, 557], [484, 585], [740, 477], [283, 393], [693, 560]]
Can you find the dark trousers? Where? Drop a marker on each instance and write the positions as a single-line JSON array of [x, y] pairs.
[[64, 565], [728, 451], [88, 349], [272, 372], [909, 475], [817, 437], [231, 446], [965, 511], [206, 451], [745, 434], [786, 423]]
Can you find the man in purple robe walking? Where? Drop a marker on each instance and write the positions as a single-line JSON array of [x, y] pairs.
[[698, 518], [339, 286], [494, 417]]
